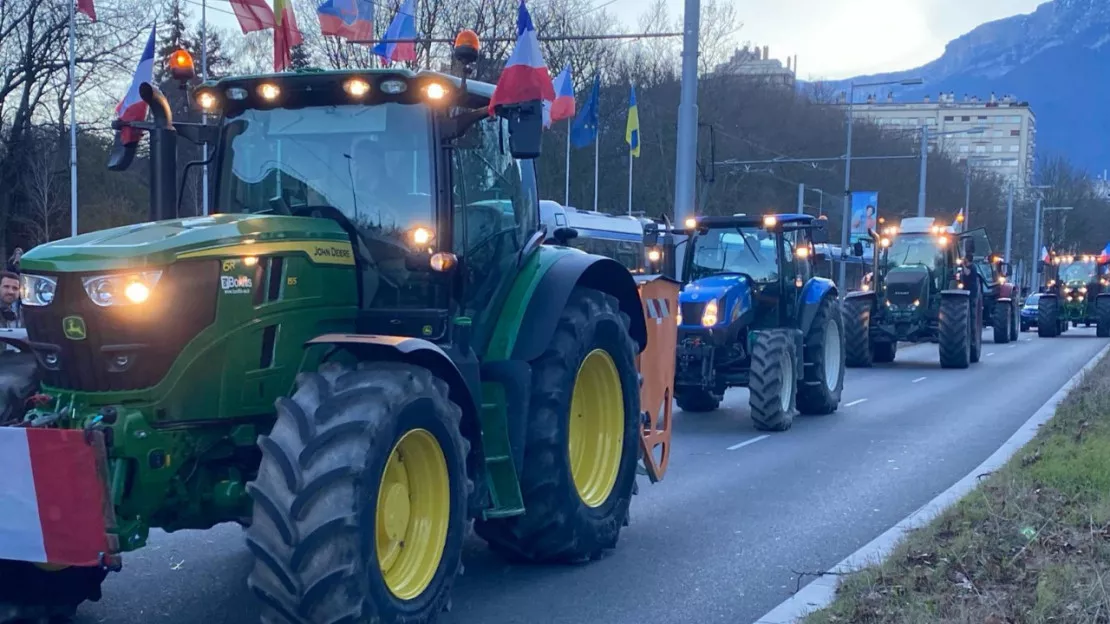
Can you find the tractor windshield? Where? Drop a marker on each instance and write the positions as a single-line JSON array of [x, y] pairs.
[[1078, 272], [374, 164], [914, 250], [751, 251]]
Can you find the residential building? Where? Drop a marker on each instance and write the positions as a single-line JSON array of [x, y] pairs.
[[757, 64], [1007, 146]]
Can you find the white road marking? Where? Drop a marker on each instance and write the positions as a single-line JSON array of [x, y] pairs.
[[856, 402], [919, 379], [747, 442], [990, 354]]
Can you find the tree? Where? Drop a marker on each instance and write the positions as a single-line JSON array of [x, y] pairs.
[[43, 187]]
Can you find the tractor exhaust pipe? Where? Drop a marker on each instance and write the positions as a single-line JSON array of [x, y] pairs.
[[163, 155]]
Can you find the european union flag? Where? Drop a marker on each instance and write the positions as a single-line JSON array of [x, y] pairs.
[[584, 131]]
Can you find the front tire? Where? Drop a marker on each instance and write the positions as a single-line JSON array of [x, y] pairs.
[[697, 400], [1015, 321], [32, 593], [1102, 314], [976, 328], [360, 500], [820, 389], [771, 384], [954, 334], [582, 443], [1048, 317], [857, 333], [1002, 323]]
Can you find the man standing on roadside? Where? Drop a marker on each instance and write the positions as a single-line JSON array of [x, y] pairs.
[[10, 314]]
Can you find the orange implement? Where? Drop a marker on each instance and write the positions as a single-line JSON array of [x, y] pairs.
[[659, 296]]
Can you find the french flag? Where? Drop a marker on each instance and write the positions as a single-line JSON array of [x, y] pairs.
[[52, 497], [132, 107], [563, 106], [1045, 257], [400, 44], [1104, 257], [525, 77], [349, 19]]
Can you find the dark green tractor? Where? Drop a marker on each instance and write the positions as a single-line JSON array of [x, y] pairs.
[[364, 348], [1075, 292]]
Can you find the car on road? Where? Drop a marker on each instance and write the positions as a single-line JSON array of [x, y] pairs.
[[1029, 312]]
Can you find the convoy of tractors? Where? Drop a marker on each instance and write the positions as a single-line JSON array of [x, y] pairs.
[[356, 382]]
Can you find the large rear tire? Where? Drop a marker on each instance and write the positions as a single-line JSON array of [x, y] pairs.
[[360, 500], [1102, 314], [696, 400], [954, 333], [19, 377], [772, 382], [1048, 316], [857, 333], [1002, 322], [30, 593], [823, 381], [582, 442]]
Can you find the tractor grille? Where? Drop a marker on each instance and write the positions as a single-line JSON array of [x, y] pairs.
[[125, 347], [691, 312]]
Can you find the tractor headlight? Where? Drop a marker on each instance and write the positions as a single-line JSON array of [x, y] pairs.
[[121, 288], [37, 290], [709, 315], [1083, 289]]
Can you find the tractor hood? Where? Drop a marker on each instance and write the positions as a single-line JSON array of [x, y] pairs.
[[161, 243], [906, 284], [733, 293]]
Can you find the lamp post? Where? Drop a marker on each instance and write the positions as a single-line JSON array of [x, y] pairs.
[[1010, 214], [925, 156], [1037, 238], [846, 221], [967, 189]]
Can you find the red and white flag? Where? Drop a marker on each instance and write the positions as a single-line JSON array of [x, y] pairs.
[[253, 15], [132, 107], [525, 77], [51, 498]]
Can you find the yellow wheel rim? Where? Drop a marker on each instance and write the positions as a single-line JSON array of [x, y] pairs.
[[596, 428], [413, 513]]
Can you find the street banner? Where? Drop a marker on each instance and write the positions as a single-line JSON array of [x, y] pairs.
[[865, 215]]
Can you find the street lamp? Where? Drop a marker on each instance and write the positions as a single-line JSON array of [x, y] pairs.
[[967, 190], [1010, 216], [846, 221], [925, 156], [1037, 238]]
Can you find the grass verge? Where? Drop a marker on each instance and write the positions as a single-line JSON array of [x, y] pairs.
[[1030, 545]]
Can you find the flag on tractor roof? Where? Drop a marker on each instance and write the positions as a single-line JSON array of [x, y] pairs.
[[286, 34], [253, 15], [132, 107], [400, 38], [86, 7], [525, 77], [349, 19]]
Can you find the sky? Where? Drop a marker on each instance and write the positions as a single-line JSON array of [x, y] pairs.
[[843, 38]]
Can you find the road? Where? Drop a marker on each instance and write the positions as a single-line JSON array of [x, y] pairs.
[[724, 538]]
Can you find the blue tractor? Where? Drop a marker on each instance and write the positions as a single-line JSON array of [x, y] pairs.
[[754, 314]]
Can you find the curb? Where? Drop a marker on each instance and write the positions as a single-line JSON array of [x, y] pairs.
[[821, 592]]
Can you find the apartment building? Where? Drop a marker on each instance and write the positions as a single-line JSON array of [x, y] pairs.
[[1007, 146]]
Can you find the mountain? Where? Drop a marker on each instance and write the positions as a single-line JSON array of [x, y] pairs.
[[1056, 58]]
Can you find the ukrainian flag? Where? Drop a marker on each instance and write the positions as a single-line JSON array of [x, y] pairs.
[[632, 130]]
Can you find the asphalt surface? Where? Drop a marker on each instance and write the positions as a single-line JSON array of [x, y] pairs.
[[733, 528]]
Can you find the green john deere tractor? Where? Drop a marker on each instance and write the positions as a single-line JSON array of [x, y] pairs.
[[356, 355], [1075, 292]]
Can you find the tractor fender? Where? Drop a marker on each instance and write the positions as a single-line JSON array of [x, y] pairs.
[[1102, 296], [552, 293], [815, 291], [463, 381], [1005, 300], [955, 293], [860, 294]]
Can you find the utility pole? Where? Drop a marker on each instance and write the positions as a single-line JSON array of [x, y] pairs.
[[924, 170], [685, 193], [1009, 221], [801, 198], [1036, 282], [204, 77]]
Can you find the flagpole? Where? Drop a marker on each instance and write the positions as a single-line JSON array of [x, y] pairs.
[[566, 195], [72, 117], [630, 181], [597, 150], [203, 77]]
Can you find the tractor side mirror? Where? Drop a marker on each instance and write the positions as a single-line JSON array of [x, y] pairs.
[[525, 129], [969, 247], [819, 235], [1004, 269], [651, 236], [857, 249]]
